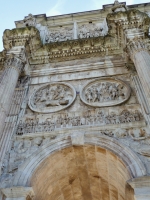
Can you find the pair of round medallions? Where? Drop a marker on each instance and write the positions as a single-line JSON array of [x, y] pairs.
[[57, 96]]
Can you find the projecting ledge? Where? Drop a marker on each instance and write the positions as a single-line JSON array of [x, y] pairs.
[[18, 193], [141, 186]]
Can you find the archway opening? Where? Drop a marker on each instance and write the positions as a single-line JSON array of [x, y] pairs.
[[81, 173]]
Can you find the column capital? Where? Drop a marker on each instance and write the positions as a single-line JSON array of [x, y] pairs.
[[18, 193], [141, 186], [134, 46], [15, 58]]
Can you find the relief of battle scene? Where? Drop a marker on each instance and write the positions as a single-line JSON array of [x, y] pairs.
[[52, 97], [63, 34], [92, 30], [96, 117], [105, 92]]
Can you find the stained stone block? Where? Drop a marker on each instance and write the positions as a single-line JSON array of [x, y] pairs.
[[18, 193], [141, 186]]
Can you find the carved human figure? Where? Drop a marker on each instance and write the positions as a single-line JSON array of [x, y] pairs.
[[20, 130], [18, 153], [108, 133], [120, 133], [62, 34], [104, 92], [35, 144], [46, 126], [138, 134], [92, 30], [38, 126], [88, 94], [94, 94]]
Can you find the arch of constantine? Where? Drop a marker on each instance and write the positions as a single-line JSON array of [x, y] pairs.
[[75, 106]]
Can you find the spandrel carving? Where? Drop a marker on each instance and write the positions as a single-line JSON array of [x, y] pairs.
[[105, 92], [22, 149], [52, 98]]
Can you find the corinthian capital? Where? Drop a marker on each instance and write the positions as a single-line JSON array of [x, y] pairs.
[[13, 61], [15, 58], [134, 46]]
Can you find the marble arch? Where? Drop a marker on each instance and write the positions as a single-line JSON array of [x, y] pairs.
[[65, 53], [131, 160]]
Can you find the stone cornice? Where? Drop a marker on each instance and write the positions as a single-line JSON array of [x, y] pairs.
[[22, 37], [61, 51], [75, 49], [80, 48], [132, 17]]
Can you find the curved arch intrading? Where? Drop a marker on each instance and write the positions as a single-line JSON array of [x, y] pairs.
[[130, 159]]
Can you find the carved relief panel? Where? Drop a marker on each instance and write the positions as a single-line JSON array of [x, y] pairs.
[[52, 97], [105, 92], [58, 35], [92, 30]]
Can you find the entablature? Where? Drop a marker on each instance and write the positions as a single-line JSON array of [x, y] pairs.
[[80, 35]]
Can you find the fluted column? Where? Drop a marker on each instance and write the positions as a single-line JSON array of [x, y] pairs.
[[18, 193], [8, 80], [139, 54]]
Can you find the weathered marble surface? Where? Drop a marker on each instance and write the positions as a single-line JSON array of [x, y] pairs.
[[78, 126], [105, 92]]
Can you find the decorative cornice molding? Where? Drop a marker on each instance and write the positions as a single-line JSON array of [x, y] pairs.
[[132, 17], [22, 37], [112, 43], [75, 49]]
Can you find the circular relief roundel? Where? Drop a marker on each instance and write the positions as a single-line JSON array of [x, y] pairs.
[[52, 97], [105, 92]]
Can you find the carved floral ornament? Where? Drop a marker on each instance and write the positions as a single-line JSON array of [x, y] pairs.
[[52, 97], [105, 92]]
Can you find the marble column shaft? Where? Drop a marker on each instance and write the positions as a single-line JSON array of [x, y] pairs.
[[8, 81], [141, 58]]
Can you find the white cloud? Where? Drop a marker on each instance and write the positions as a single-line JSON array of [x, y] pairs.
[[56, 9]]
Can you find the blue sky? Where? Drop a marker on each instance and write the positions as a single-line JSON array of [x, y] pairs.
[[13, 10]]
